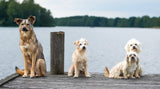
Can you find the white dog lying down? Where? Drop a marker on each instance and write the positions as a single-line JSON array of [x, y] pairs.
[[124, 69], [135, 46], [79, 59]]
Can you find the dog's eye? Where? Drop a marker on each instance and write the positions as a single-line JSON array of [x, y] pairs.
[[135, 44], [28, 24], [134, 54], [131, 45], [80, 44], [84, 43], [22, 24]]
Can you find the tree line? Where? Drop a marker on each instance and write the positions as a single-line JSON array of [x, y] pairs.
[[92, 21], [10, 9]]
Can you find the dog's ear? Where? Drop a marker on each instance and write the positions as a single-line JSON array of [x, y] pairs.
[[127, 47], [140, 47], [76, 42], [86, 42], [18, 20], [127, 59], [32, 19], [137, 61]]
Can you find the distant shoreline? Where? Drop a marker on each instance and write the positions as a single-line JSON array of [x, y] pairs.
[[86, 26]]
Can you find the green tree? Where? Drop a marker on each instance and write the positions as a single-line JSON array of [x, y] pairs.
[[12, 12]]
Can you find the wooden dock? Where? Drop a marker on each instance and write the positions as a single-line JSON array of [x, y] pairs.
[[57, 79], [97, 81]]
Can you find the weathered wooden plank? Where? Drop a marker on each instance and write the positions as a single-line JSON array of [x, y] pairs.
[[57, 53], [9, 78], [97, 81]]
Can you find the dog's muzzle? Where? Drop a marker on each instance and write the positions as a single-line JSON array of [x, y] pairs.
[[134, 47], [132, 58], [84, 47], [24, 29]]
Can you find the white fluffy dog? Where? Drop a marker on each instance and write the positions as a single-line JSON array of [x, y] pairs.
[[79, 59], [135, 46], [124, 69]]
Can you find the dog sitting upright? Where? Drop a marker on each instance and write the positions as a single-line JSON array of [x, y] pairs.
[[124, 69], [34, 62], [135, 46], [79, 59]]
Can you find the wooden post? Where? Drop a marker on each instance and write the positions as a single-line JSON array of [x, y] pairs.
[[57, 53]]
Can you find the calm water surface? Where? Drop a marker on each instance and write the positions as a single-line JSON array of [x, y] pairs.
[[106, 47]]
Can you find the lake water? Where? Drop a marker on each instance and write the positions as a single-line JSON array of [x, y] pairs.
[[106, 47]]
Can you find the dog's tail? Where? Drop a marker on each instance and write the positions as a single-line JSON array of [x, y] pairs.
[[106, 72], [21, 72]]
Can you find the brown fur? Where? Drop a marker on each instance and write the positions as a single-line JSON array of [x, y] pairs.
[[21, 72], [106, 70], [34, 63]]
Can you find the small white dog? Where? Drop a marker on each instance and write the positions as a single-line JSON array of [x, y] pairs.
[[79, 59], [124, 69], [135, 46]]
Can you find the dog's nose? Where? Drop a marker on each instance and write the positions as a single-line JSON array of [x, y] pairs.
[[132, 58], [24, 29], [84, 47], [134, 47]]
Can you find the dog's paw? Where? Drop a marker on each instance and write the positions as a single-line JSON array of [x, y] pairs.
[[137, 76], [75, 76], [125, 77], [32, 75], [132, 77], [25, 76], [69, 74], [88, 75]]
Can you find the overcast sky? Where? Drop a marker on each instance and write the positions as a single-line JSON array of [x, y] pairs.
[[105, 8]]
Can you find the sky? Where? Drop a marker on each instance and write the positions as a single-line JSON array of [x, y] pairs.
[[103, 8]]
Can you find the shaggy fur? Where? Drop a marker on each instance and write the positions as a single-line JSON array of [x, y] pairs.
[[135, 46], [79, 59], [124, 69]]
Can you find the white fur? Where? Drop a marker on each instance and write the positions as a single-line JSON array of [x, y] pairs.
[[124, 68], [25, 46], [79, 59], [133, 42], [129, 48], [24, 34]]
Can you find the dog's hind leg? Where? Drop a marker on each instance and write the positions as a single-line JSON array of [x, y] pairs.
[[71, 70], [41, 67]]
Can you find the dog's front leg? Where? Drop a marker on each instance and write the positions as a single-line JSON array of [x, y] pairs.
[[131, 76], [136, 72], [25, 66], [125, 73], [33, 66], [76, 70], [85, 70]]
